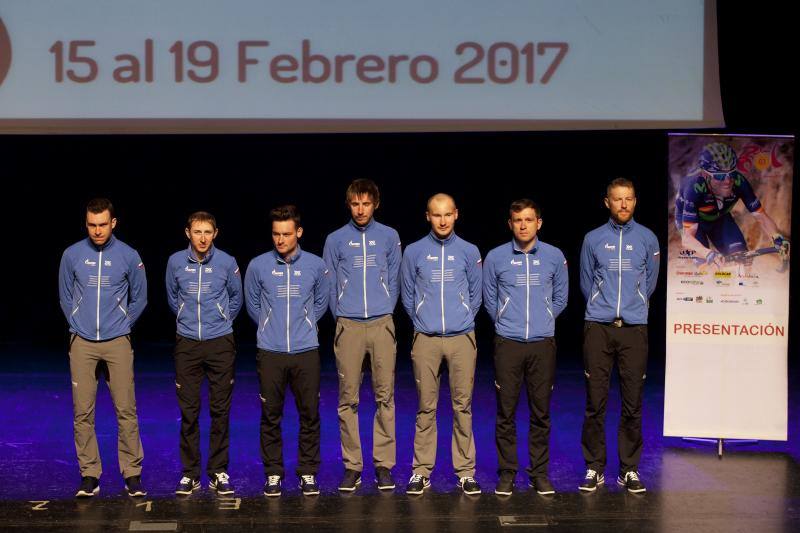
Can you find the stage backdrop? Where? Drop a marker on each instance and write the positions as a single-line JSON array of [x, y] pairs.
[[727, 320], [356, 65]]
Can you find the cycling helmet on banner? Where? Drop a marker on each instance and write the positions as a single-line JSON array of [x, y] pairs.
[[717, 157]]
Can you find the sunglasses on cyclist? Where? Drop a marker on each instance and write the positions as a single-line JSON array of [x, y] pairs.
[[720, 176]]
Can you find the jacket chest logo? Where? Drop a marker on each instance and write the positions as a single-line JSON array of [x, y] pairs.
[[190, 269], [278, 273], [611, 247], [372, 243], [432, 257], [90, 263], [354, 244]]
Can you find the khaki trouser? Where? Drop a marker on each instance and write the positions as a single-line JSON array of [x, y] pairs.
[[460, 353], [353, 341], [84, 357]]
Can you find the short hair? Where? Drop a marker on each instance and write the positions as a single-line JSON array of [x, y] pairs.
[[98, 205], [620, 182], [201, 216], [285, 212], [362, 186], [440, 197], [524, 203]]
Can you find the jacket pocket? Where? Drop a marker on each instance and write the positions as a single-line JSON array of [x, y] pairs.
[[502, 309], [266, 320], [341, 290], [77, 306], [385, 288], [222, 312], [597, 291]]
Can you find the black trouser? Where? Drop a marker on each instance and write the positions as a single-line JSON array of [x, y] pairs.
[[213, 358], [534, 363], [301, 371], [602, 343]]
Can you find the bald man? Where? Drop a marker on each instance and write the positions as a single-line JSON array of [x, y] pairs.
[[441, 292]]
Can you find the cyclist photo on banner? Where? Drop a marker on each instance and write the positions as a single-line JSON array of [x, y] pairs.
[[711, 175]]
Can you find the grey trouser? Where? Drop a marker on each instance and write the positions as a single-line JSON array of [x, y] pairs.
[[460, 353], [353, 341], [84, 357]]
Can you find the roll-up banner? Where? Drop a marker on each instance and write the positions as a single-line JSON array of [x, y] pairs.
[[730, 202], [355, 65]]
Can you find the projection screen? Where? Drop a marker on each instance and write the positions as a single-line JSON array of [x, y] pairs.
[[177, 66]]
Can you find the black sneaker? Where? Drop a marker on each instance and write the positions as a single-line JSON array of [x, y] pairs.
[[134, 486], [630, 480], [221, 483], [417, 484], [309, 485], [591, 481], [505, 483], [89, 487], [469, 485], [273, 486], [350, 481], [384, 479], [187, 485], [542, 485]]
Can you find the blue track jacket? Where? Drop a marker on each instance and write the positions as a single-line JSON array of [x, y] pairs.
[[619, 271], [286, 299], [441, 285], [364, 264], [102, 291], [206, 296], [525, 292]]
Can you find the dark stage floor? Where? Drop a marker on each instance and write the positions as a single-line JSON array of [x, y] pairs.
[[753, 488]]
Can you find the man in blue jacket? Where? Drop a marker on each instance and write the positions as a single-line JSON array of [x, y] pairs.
[[441, 291], [204, 290], [619, 271], [363, 258], [103, 291], [525, 287], [286, 292]]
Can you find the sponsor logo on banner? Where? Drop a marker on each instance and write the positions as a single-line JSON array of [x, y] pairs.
[[723, 274], [689, 273], [691, 282], [5, 52], [709, 300]]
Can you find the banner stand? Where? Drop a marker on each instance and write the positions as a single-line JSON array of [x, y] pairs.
[[719, 442]]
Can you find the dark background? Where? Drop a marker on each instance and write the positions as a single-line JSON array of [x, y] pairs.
[[155, 181]]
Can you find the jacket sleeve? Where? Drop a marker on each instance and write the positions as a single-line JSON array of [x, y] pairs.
[[475, 279], [490, 287], [407, 280], [394, 260], [322, 291], [252, 292], [329, 256], [137, 288], [652, 265], [587, 268], [234, 286], [65, 281], [172, 287], [560, 285]]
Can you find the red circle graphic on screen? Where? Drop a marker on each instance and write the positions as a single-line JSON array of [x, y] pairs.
[[5, 52]]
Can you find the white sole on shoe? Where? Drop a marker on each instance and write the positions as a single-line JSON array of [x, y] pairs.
[[195, 487], [350, 489], [632, 491], [600, 482], [83, 494]]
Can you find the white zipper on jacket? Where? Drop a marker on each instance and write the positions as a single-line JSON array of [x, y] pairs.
[[527, 295], [364, 249], [99, 278], [503, 308], [619, 283], [199, 289], [442, 291], [288, 293]]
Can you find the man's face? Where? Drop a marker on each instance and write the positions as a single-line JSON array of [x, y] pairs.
[[720, 183], [100, 226], [285, 236], [525, 224], [201, 236], [621, 201], [442, 214], [362, 208]]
